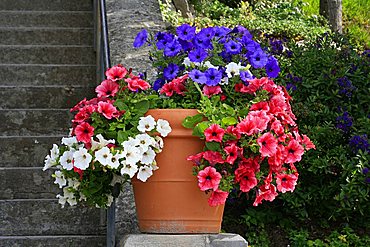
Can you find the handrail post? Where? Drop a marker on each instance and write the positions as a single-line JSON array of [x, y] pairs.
[[111, 227]]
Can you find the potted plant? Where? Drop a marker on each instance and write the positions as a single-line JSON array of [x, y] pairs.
[[232, 127]]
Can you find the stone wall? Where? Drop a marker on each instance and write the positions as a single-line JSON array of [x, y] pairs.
[[125, 19]]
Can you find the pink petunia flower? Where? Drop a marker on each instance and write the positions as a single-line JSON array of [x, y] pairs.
[[107, 88], [208, 179], [286, 182], [232, 152], [196, 159], [246, 178], [135, 83], [107, 109], [268, 144], [266, 192], [293, 152], [247, 126], [218, 197], [214, 133], [209, 91], [116, 73], [84, 132], [260, 118], [213, 157]]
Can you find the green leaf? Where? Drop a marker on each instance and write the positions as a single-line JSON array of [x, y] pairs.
[[142, 107], [213, 146], [120, 105], [200, 128], [229, 121], [122, 136], [190, 121]]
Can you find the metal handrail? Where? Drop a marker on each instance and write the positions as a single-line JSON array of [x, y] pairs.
[[101, 44]]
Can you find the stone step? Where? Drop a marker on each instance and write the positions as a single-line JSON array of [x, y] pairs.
[[27, 151], [46, 19], [27, 183], [81, 5], [52, 241], [23, 122], [43, 96], [46, 36], [46, 217], [47, 74], [33, 54]]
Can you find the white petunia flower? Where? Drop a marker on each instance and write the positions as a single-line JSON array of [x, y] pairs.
[[187, 62], [73, 183], [101, 143], [131, 142], [82, 159], [233, 69], [103, 156], [145, 141], [69, 141], [129, 169], [49, 162], [114, 162], [144, 173], [61, 200], [224, 81], [146, 124], [158, 144], [54, 152], [154, 165], [69, 196], [66, 160], [60, 179], [163, 127], [132, 155], [148, 157], [209, 65]]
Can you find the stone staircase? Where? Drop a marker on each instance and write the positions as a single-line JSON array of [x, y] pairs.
[[47, 64]]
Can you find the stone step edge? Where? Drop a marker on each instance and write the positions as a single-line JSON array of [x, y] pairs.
[[46, 65], [36, 109], [47, 86], [45, 28], [45, 46], [46, 11]]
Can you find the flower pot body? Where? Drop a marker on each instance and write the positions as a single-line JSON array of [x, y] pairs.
[[170, 200]]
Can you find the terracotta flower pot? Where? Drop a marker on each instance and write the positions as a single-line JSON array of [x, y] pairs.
[[170, 201]]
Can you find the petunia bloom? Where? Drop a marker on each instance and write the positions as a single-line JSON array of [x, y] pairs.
[[106, 109], [293, 152], [84, 132], [208, 179], [286, 182], [246, 178], [214, 133], [218, 197], [116, 73], [140, 38], [107, 88], [268, 144]]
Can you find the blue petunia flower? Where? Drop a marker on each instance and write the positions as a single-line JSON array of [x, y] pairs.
[[344, 122], [185, 32], [140, 38], [170, 72], [272, 67], [186, 45], [213, 77], [291, 86], [158, 84], [246, 75], [359, 142], [198, 76], [233, 47], [258, 59], [206, 33], [202, 43], [163, 39], [252, 46], [172, 49], [221, 33], [197, 55]]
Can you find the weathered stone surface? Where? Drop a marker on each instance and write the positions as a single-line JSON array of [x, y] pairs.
[[47, 55], [27, 183], [34, 122], [46, 36], [46, 217], [46, 19], [59, 5], [25, 151], [200, 240], [39, 75], [53, 241], [43, 97]]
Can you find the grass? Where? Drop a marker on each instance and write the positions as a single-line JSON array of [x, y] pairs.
[[356, 19]]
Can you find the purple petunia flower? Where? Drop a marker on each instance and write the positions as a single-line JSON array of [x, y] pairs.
[[344, 122], [258, 59], [197, 55], [206, 33], [272, 67], [185, 32], [359, 142], [158, 84], [198, 76], [367, 180], [172, 49], [246, 75], [140, 38], [213, 77], [170, 72], [242, 30], [163, 39], [186, 45], [201, 43], [365, 170], [220, 33], [346, 87], [233, 47]]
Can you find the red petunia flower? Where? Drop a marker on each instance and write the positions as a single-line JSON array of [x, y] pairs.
[[196, 159], [268, 144], [266, 192], [213, 157], [214, 133], [107, 109], [277, 160], [293, 152], [247, 126], [218, 197], [208, 179], [260, 118], [307, 143], [84, 132], [232, 152], [234, 131], [116, 73], [260, 106], [135, 83], [107, 88], [286, 182], [246, 178], [209, 91]]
